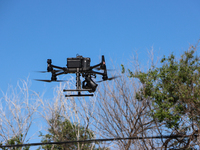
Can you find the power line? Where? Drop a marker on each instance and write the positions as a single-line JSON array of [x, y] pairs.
[[97, 140]]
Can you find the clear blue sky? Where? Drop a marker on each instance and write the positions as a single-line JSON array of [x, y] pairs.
[[31, 31], [35, 30]]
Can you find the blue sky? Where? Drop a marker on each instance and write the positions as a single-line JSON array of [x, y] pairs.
[[33, 31]]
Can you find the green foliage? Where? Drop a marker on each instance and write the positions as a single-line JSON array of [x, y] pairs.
[[15, 141], [173, 88], [123, 69], [63, 130]]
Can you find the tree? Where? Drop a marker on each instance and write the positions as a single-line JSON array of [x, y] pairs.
[[14, 141], [119, 115], [174, 91], [63, 130], [68, 119], [18, 107]]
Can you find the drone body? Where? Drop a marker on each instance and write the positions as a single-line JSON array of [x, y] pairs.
[[81, 67]]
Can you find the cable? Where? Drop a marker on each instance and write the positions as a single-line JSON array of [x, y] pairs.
[[97, 140]]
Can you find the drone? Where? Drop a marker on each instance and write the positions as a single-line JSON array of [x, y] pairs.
[[81, 67]]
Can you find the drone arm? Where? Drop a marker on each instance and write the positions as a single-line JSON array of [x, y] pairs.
[[95, 72], [60, 73], [92, 67], [62, 68], [102, 65]]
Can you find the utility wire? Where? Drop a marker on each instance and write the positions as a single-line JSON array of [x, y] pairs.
[[97, 140]]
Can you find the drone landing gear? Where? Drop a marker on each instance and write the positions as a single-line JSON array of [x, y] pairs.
[[79, 93], [78, 87]]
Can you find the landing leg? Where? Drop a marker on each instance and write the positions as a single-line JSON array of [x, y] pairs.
[[78, 87]]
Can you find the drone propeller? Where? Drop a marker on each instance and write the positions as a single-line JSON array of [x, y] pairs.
[[109, 79], [42, 71], [47, 71], [50, 80], [103, 69]]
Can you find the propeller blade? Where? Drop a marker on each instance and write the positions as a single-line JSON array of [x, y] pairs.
[[42, 80], [113, 78], [50, 80], [109, 79], [42, 71], [100, 81], [60, 81], [49, 71], [103, 69]]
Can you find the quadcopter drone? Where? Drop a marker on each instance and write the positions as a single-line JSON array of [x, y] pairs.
[[81, 67]]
